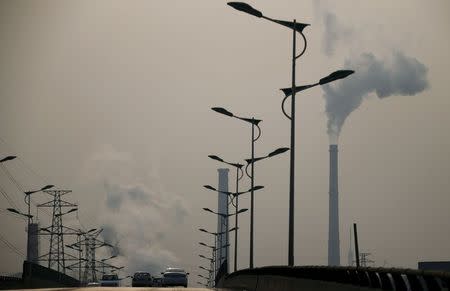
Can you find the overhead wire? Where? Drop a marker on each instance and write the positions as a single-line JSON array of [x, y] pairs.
[[21, 189], [10, 201], [11, 246]]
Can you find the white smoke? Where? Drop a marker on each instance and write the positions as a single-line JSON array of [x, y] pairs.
[[399, 75], [136, 212], [395, 75], [334, 32]]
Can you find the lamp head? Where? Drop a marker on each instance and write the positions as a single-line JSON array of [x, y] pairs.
[[244, 7], [207, 209], [257, 188], [210, 187], [222, 111], [46, 187], [242, 210], [215, 158], [341, 74], [13, 210], [8, 158], [278, 151]]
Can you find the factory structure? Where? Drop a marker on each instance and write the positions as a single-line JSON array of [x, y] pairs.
[[222, 252], [334, 257]]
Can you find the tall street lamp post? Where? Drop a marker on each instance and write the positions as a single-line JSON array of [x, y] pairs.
[[296, 27], [214, 248], [255, 123], [235, 201], [28, 215], [28, 202]]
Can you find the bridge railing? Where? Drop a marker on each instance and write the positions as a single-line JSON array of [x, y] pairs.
[[324, 277]]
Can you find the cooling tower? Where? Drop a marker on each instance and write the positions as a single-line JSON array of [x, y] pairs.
[[333, 222], [222, 222]]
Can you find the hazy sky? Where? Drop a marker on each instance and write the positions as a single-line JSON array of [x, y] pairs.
[[111, 99]]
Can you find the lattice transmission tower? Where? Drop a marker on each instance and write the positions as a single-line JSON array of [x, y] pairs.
[[56, 256]]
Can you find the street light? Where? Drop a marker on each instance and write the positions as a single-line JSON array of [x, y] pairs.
[[271, 154], [203, 268], [296, 27], [255, 188], [235, 201], [209, 259], [27, 201], [225, 214], [213, 247], [254, 122], [18, 212], [7, 158]]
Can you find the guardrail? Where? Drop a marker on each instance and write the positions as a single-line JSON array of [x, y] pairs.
[[334, 278]]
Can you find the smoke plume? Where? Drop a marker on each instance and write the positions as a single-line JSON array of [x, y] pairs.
[[334, 32], [136, 212], [400, 75]]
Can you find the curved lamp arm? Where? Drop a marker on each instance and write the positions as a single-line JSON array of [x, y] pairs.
[[296, 57], [246, 170], [304, 47], [282, 107], [259, 132]]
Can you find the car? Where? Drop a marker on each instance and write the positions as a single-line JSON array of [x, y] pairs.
[[142, 279], [110, 281], [174, 277]]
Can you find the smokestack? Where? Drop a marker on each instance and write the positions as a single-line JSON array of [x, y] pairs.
[[33, 243], [334, 258], [222, 222]]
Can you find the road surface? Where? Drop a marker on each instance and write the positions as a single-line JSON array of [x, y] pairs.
[[124, 289]]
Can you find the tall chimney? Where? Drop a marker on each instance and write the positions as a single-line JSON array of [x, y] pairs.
[[333, 222], [222, 222], [33, 243]]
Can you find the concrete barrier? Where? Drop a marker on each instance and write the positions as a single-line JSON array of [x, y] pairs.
[[37, 276], [333, 278]]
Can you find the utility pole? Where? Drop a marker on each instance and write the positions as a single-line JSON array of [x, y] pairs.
[[355, 230], [91, 243], [364, 259], [56, 255]]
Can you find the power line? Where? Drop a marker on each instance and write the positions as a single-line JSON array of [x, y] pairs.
[[13, 215], [26, 165], [11, 246], [10, 201], [15, 182]]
